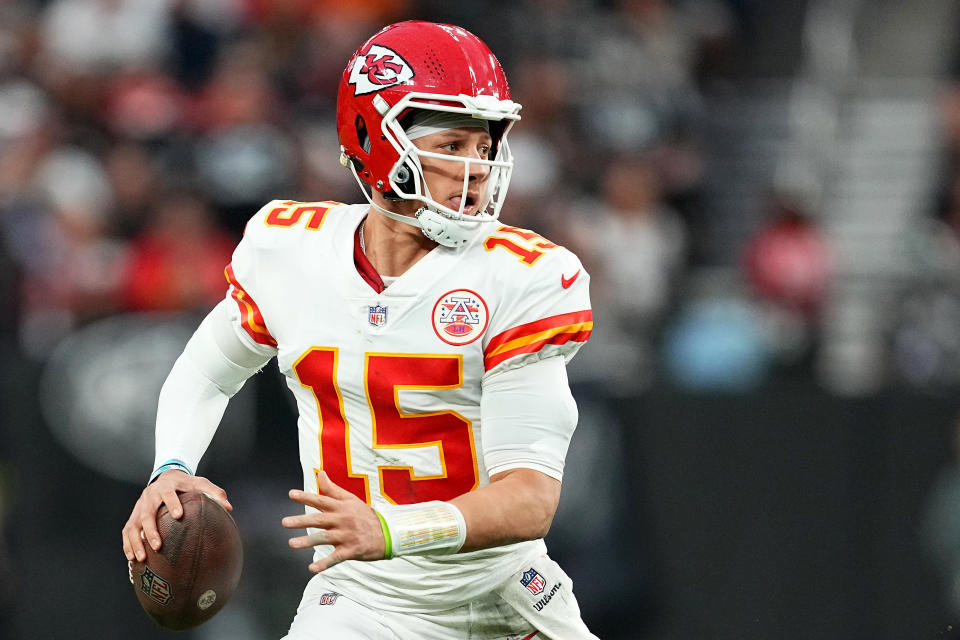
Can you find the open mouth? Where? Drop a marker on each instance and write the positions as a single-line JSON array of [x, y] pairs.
[[468, 204]]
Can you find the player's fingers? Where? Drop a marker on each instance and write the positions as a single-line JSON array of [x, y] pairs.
[[131, 536], [217, 493], [319, 502], [331, 560], [297, 522], [172, 500], [304, 520], [317, 538], [148, 522], [312, 540], [136, 545]]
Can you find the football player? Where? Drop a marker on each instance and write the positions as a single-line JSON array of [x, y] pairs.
[[425, 343]]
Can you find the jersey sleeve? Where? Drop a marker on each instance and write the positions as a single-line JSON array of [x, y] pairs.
[[545, 312], [243, 276], [263, 272]]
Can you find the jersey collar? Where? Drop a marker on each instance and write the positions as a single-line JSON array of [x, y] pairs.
[[364, 266]]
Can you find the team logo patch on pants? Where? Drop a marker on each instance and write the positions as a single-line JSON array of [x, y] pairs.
[[328, 598]]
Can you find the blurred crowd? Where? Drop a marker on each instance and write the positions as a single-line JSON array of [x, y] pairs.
[[925, 343], [137, 136]]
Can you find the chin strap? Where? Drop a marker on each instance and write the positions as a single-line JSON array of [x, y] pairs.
[[443, 230]]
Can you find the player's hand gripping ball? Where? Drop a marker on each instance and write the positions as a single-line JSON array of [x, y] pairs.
[[197, 568]]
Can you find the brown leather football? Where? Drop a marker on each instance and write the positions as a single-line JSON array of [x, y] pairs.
[[197, 568]]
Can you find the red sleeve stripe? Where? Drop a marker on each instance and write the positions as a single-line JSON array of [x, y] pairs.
[[533, 336], [250, 317]]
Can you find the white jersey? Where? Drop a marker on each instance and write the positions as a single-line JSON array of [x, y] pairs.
[[388, 381]]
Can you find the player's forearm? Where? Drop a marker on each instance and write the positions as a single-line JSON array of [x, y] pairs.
[[212, 368], [517, 505], [188, 414]]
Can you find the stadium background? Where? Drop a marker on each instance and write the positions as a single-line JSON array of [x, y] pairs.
[[766, 192]]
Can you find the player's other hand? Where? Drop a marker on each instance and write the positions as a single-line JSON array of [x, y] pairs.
[[142, 524], [346, 522]]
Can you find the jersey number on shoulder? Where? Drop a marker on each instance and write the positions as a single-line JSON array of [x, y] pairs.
[[289, 213], [526, 245], [386, 374]]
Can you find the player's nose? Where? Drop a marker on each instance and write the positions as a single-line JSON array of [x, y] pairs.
[[475, 170]]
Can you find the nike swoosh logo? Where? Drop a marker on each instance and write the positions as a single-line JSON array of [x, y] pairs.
[[566, 282]]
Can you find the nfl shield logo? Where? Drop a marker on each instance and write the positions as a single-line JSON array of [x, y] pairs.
[[377, 316], [154, 586], [533, 581]]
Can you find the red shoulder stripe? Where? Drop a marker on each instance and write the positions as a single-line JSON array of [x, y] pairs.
[[533, 336], [250, 317]]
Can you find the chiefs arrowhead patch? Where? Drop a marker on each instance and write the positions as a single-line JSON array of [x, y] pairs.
[[378, 69]]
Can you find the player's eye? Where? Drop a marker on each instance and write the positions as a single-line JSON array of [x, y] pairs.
[[484, 150]]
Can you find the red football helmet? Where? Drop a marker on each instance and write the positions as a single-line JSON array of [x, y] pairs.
[[423, 65]]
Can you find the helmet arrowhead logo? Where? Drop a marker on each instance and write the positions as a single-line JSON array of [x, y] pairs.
[[378, 69]]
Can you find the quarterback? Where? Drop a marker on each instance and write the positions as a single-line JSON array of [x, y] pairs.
[[425, 343]]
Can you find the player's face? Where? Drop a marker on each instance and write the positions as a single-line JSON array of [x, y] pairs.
[[445, 179]]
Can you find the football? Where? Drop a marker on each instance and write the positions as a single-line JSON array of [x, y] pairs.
[[197, 568]]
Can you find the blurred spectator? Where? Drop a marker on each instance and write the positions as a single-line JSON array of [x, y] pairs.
[[547, 157], [178, 262], [633, 244], [937, 247], [94, 35], [70, 264], [717, 343], [10, 294], [197, 30], [640, 62], [142, 106], [24, 108], [788, 261], [17, 37], [295, 11], [789, 267], [133, 178], [84, 42], [924, 345], [28, 133], [243, 158]]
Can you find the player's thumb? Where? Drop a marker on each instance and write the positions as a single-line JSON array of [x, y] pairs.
[[327, 487]]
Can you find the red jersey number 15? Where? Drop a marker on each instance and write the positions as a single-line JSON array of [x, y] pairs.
[[385, 375]]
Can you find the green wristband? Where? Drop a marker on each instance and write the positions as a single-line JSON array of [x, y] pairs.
[[388, 542]]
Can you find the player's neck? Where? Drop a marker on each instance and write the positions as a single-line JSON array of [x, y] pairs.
[[392, 246]]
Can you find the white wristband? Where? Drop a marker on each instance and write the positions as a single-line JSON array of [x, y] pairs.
[[419, 529]]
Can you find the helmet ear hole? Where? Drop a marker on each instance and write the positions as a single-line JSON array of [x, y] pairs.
[[404, 180], [362, 136]]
